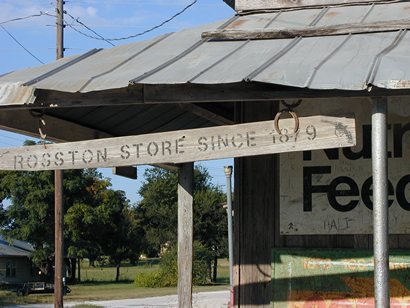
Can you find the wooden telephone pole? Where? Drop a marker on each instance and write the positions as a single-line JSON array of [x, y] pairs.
[[58, 186]]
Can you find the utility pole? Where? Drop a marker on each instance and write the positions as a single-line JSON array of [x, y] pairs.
[[58, 186]]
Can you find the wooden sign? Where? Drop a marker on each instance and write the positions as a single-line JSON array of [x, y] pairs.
[[317, 132]]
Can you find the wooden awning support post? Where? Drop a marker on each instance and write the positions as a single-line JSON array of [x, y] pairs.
[[380, 203], [185, 234]]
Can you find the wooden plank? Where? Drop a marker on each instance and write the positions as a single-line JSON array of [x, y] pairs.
[[185, 234], [251, 5], [340, 29], [317, 132], [196, 93], [123, 96], [247, 91], [22, 122]]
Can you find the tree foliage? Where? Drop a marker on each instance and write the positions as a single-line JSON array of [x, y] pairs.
[[159, 206], [98, 220]]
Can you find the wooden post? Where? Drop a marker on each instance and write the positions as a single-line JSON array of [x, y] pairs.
[[254, 209], [58, 239], [58, 185], [185, 234]]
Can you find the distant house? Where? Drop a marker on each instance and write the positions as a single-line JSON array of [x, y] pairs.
[[15, 262]]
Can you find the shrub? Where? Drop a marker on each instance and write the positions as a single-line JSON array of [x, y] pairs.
[[150, 280], [167, 275]]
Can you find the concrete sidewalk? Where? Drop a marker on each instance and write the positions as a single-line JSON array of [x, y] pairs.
[[200, 300]]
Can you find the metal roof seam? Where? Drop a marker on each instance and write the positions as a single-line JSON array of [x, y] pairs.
[[219, 61], [319, 16], [334, 51], [327, 58], [378, 58], [181, 55], [158, 40], [273, 19], [62, 67], [167, 63], [367, 13], [284, 50]]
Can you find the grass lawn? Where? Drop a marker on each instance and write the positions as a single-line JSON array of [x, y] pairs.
[[98, 285]]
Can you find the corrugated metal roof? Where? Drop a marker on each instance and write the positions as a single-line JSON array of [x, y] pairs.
[[15, 248], [345, 62]]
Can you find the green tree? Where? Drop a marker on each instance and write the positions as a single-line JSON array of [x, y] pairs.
[[106, 226], [30, 216], [158, 212], [95, 215], [210, 224], [120, 235]]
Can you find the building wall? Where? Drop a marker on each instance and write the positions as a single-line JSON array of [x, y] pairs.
[[23, 270], [256, 215]]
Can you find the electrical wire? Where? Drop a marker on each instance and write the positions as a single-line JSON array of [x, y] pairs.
[[28, 51], [85, 26], [140, 33], [26, 17]]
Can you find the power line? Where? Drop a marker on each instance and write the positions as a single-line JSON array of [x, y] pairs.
[[85, 26], [28, 51], [25, 17], [140, 33]]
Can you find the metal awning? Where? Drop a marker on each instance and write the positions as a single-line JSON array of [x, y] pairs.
[[345, 62], [119, 91]]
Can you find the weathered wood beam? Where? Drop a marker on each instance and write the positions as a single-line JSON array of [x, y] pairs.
[[196, 93], [249, 91], [206, 114], [253, 5], [185, 234], [23, 122], [341, 29], [124, 96]]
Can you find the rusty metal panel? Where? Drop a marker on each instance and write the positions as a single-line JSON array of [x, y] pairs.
[[334, 278], [330, 192]]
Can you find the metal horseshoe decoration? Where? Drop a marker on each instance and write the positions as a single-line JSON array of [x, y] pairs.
[[41, 124], [288, 109]]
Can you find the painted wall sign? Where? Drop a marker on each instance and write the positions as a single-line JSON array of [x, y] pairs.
[[334, 278], [249, 139], [330, 191]]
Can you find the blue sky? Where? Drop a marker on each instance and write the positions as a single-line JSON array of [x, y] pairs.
[[110, 19]]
